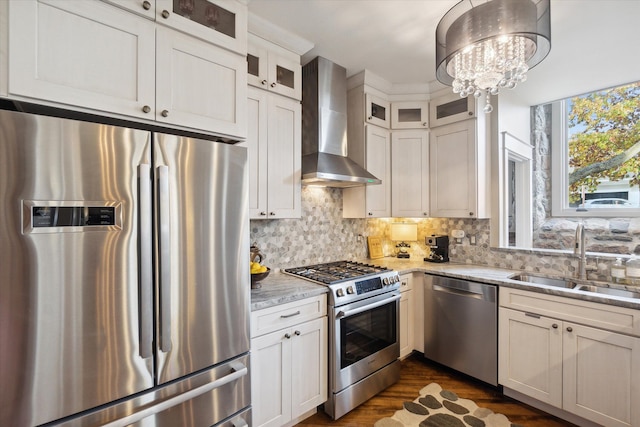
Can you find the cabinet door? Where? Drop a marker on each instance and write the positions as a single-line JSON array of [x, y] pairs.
[[284, 157], [308, 366], [410, 115], [600, 375], [377, 111], [257, 66], [82, 53], [406, 315], [223, 22], [378, 155], [530, 355], [144, 8], [256, 143], [271, 379], [285, 76], [451, 109], [453, 170], [200, 85], [410, 173]]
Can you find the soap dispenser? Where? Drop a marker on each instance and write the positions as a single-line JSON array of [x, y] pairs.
[[633, 270], [618, 271]]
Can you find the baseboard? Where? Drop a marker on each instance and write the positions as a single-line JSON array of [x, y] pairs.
[[556, 412]]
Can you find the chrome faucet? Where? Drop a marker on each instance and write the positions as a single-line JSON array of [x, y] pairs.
[[579, 249]]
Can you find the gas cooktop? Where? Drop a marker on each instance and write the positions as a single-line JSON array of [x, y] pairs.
[[349, 281]]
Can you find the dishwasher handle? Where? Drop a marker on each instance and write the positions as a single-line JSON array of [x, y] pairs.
[[466, 289]]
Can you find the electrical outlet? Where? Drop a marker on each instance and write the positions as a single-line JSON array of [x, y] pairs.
[[472, 239]]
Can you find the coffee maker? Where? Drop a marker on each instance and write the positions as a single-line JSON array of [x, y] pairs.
[[439, 248]]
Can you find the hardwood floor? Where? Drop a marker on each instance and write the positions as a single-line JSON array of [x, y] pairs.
[[415, 374]]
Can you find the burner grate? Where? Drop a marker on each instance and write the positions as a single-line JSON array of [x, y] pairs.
[[335, 272]]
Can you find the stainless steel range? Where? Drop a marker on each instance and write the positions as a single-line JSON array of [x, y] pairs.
[[363, 330]]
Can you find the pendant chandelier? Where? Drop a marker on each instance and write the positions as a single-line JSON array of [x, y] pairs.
[[483, 46]]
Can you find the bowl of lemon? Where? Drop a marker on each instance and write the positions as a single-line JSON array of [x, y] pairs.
[[258, 272]]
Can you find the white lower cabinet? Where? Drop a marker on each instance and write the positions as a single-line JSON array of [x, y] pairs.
[[288, 364], [407, 310], [547, 354]]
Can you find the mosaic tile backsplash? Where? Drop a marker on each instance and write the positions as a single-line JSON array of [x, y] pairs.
[[322, 235]]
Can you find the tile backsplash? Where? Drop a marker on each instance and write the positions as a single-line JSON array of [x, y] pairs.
[[322, 235]]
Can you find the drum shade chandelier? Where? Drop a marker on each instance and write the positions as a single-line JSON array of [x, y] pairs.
[[483, 46]]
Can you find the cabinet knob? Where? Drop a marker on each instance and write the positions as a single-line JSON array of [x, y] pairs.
[[424, 123], [273, 84], [165, 113], [470, 213], [287, 335], [272, 213], [165, 14], [569, 329], [425, 213], [370, 117], [554, 326], [264, 82], [471, 113], [146, 5], [370, 213], [146, 109], [297, 333], [263, 214]]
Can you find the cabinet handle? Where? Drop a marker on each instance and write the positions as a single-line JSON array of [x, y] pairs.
[[297, 333], [165, 14], [287, 335], [554, 326], [146, 5], [569, 329], [165, 113], [273, 84], [264, 82], [146, 109], [286, 316]]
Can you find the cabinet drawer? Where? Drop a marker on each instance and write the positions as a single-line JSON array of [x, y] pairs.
[[619, 319], [285, 315]]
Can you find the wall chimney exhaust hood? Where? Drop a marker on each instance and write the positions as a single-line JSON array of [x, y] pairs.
[[324, 128]]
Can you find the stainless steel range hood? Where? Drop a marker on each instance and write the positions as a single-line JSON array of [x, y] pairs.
[[324, 128]]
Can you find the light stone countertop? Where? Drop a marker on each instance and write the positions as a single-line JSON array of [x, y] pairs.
[[280, 288]]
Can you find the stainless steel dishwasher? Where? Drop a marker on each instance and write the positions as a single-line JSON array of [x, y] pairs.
[[461, 326]]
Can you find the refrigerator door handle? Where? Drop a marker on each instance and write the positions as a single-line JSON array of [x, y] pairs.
[[164, 258], [146, 266], [238, 370]]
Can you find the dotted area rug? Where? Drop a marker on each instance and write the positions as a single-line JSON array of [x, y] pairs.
[[443, 408]]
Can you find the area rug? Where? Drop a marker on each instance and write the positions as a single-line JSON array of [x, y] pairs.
[[436, 407]]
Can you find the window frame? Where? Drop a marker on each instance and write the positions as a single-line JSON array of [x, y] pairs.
[[560, 173]]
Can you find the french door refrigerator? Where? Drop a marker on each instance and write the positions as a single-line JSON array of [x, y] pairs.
[[124, 282]]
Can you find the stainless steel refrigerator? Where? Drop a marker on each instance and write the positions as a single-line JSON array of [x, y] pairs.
[[124, 277]]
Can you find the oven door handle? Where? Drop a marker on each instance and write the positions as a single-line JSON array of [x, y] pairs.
[[342, 314]]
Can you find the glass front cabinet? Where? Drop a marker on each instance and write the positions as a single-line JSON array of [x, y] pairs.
[[377, 111], [272, 68], [450, 109], [410, 115], [222, 22]]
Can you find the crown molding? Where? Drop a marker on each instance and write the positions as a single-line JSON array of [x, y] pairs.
[[278, 35]]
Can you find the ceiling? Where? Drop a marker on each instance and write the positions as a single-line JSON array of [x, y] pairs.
[[594, 43]]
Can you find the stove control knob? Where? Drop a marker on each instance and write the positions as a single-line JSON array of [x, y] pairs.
[[385, 281], [340, 292], [350, 290], [396, 278]]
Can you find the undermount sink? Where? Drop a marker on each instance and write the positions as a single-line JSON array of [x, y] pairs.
[[542, 280], [608, 291]]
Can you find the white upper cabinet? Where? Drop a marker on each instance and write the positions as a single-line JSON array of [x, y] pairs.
[[273, 68], [458, 171], [144, 8], [82, 53], [377, 111], [199, 85], [97, 56], [410, 173], [223, 22], [410, 115], [451, 108]]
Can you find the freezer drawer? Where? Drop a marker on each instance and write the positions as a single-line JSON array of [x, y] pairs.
[[217, 397]]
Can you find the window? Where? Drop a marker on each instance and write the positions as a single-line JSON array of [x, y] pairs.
[[596, 153]]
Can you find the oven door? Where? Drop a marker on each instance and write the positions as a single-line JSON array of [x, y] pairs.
[[365, 338]]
